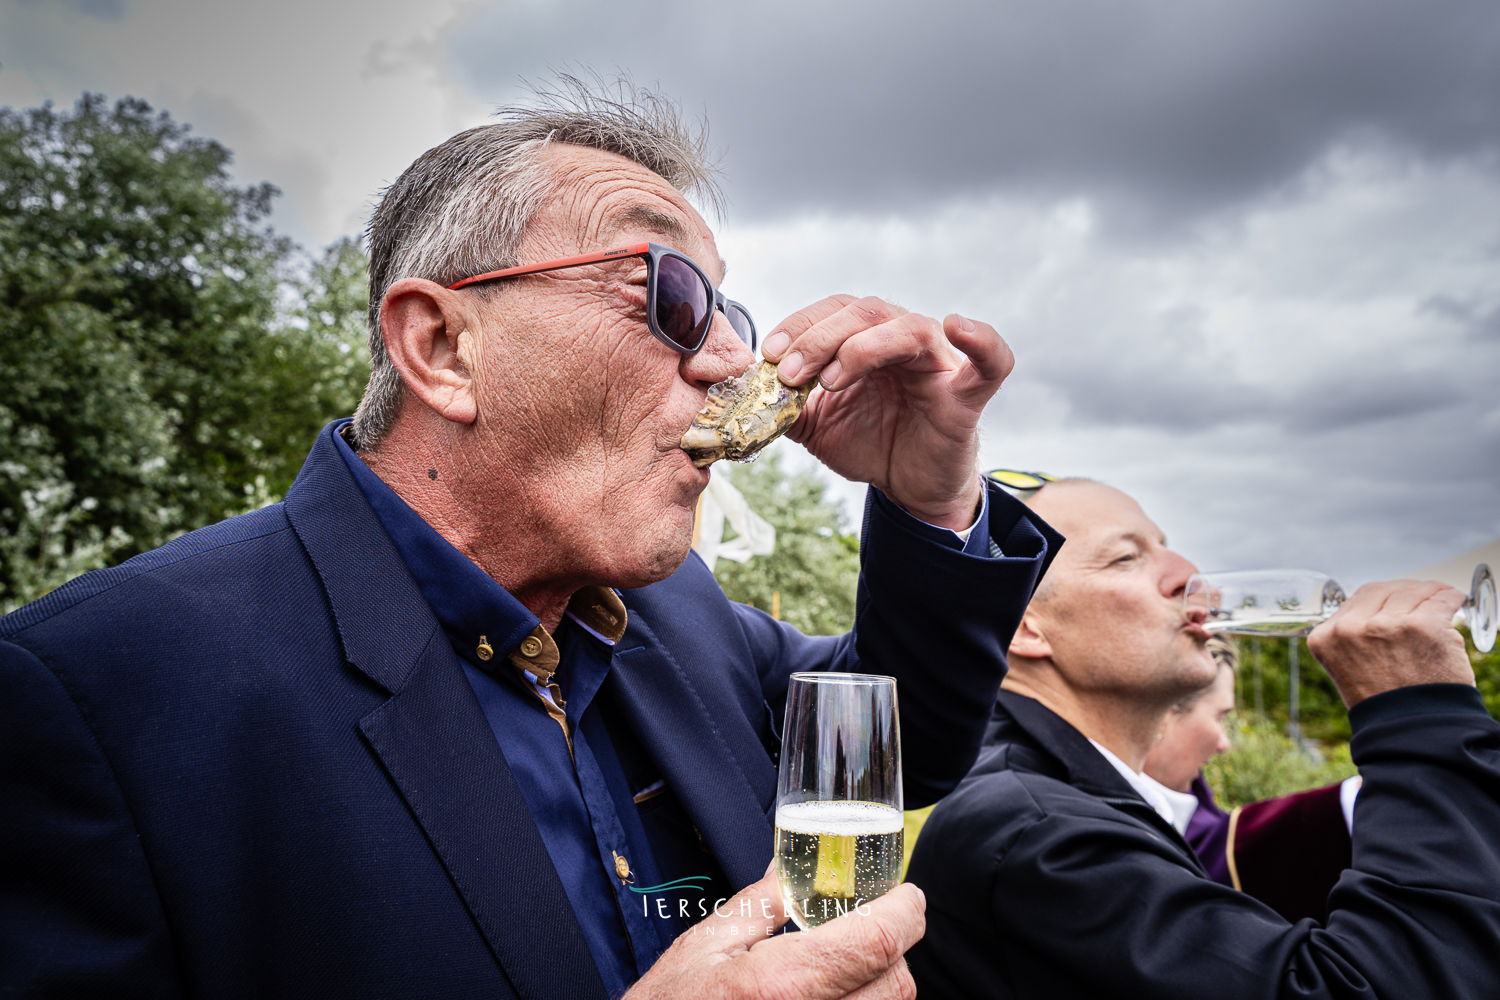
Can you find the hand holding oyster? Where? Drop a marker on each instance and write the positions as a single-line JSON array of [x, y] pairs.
[[742, 415]]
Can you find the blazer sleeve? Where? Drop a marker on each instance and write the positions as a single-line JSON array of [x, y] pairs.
[[936, 617], [1418, 915], [79, 914]]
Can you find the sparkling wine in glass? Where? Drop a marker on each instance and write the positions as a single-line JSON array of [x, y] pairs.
[[838, 797], [1292, 602]]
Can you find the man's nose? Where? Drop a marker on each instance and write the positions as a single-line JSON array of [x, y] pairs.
[[723, 354], [1175, 575]]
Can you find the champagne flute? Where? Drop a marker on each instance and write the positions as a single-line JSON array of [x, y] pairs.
[[1292, 602], [838, 797]]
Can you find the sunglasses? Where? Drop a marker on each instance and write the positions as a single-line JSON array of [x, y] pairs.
[[680, 300], [1016, 480]]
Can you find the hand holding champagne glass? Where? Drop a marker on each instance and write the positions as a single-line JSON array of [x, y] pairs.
[[838, 798], [1292, 602]]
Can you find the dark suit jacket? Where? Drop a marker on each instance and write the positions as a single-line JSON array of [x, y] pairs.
[[249, 763], [1048, 877]]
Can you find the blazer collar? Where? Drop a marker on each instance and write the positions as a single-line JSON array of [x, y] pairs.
[[1085, 767], [383, 621], [432, 738]]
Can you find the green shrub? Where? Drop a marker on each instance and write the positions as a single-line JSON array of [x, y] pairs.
[[1265, 763]]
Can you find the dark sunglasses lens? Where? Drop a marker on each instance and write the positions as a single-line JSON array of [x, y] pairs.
[[683, 302], [740, 320]]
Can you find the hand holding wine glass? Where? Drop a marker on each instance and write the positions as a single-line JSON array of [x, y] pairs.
[[1392, 635], [1291, 602], [735, 953]]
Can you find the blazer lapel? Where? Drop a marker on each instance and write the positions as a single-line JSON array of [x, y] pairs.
[[1088, 771], [698, 736], [432, 738]]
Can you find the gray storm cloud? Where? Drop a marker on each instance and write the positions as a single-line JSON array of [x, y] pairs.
[[1247, 251], [1166, 108]]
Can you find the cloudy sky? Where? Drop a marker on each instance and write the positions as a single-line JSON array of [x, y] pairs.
[[1247, 251]]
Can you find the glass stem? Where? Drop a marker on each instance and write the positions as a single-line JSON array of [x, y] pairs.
[[1293, 689]]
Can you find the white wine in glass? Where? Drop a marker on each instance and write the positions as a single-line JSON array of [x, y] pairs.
[[838, 803], [1292, 602]]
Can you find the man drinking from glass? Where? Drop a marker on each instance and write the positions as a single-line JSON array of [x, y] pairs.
[[1055, 869]]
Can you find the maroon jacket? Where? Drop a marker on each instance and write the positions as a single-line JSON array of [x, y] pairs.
[[1286, 852]]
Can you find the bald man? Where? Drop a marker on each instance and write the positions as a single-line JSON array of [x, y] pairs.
[[1054, 869]]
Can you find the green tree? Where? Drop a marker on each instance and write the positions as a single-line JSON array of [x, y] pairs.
[[1264, 763], [163, 367], [1486, 673], [815, 567], [1320, 709]]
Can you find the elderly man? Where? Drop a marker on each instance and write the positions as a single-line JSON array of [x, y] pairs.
[[1055, 870], [462, 717]]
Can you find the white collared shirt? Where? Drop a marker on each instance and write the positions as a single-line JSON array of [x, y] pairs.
[[1149, 790], [1184, 804]]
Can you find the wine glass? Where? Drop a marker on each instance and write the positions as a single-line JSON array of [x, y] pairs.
[[1292, 602], [838, 797]]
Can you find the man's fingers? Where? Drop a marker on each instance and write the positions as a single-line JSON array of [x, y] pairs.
[[909, 340], [895, 984], [1408, 595], [817, 346], [751, 915], [1392, 635], [795, 325], [848, 953], [990, 358]]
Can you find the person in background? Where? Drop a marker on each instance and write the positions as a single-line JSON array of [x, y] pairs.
[[1287, 852], [1054, 869]]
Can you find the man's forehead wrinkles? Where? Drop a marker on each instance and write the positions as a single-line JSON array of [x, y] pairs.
[[677, 234]]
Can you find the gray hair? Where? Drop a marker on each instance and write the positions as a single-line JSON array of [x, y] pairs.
[[464, 206]]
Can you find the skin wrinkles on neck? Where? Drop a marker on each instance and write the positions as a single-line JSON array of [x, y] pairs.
[[571, 475]]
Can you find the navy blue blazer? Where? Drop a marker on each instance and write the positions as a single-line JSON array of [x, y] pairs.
[[249, 762]]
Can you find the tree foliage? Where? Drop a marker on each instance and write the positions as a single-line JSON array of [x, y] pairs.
[[163, 365], [815, 567], [1264, 763]]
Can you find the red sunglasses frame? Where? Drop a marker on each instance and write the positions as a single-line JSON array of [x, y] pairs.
[[652, 252]]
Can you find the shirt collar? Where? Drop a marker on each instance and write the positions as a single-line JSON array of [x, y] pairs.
[[472, 608], [1144, 786], [1183, 804]]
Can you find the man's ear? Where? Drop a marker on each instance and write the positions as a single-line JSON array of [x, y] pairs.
[[1030, 640], [421, 322]]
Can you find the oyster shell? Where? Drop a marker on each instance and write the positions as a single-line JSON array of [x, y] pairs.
[[742, 415]]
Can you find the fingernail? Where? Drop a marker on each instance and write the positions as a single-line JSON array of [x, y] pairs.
[[790, 366], [775, 344], [966, 324], [831, 374]]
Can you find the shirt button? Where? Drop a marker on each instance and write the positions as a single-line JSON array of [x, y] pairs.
[[530, 646]]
